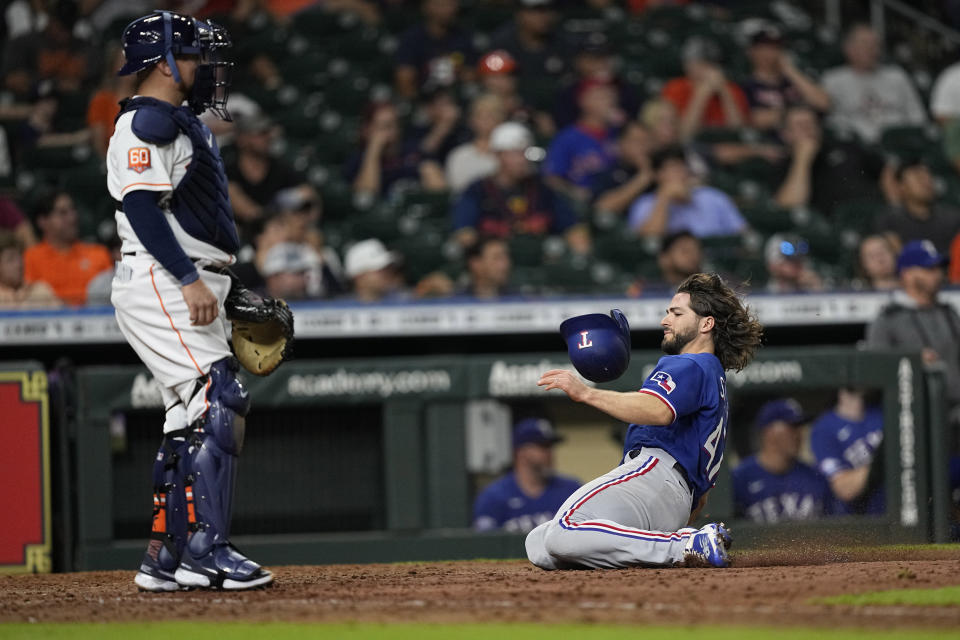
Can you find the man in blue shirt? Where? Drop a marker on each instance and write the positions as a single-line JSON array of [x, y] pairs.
[[581, 153], [773, 485], [678, 204], [639, 513], [845, 441], [435, 52], [515, 200], [531, 493]]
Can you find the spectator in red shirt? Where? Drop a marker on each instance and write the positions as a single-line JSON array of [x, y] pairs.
[[704, 96]]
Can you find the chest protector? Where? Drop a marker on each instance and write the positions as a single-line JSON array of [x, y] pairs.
[[200, 202]]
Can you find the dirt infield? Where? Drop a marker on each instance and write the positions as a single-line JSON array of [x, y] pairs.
[[772, 588]]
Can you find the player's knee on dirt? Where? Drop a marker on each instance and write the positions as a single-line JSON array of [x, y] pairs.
[[536, 550]]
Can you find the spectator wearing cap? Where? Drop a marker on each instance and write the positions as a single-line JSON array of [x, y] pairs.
[[866, 96], [533, 42], [515, 200], [916, 319], [531, 493], [818, 172], [474, 160], [679, 203], [373, 273], [788, 268], [846, 443], [388, 157], [497, 72], [286, 270], [775, 82], [60, 259], [704, 96], [254, 173], [14, 292], [920, 214], [593, 60], [631, 175], [435, 52], [583, 151], [488, 266], [773, 485]]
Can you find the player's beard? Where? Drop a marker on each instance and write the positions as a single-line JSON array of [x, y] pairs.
[[674, 344]]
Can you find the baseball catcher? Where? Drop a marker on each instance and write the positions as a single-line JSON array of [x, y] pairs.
[[178, 234]]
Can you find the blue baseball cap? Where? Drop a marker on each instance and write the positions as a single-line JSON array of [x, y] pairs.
[[786, 409], [534, 431], [920, 253]]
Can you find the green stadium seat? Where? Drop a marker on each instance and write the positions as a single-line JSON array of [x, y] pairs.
[[767, 217], [858, 215], [526, 250]]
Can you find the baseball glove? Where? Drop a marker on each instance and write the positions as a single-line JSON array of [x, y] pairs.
[[262, 328]]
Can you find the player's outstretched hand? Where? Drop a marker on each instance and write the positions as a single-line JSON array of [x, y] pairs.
[[201, 302], [565, 380]]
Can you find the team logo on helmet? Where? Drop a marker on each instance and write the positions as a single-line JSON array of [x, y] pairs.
[[138, 159]]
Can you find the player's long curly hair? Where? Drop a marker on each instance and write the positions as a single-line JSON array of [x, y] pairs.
[[736, 333]]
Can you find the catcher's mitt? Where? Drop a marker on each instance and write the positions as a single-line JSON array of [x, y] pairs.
[[262, 328]]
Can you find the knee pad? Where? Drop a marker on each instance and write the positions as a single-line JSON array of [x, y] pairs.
[[215, 445], [229, 404]]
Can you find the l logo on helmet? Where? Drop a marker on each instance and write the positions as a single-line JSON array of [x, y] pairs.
[[584, 343], [138, 159]]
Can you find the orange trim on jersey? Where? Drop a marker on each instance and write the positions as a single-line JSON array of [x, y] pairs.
[[206, 388], [146, 184]]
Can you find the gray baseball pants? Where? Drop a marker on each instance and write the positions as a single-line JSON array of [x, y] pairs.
[[629, 517]]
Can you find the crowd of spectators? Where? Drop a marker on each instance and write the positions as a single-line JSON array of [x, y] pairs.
[[535, 124]]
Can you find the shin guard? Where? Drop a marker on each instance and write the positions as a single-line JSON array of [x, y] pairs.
[[209, 560]]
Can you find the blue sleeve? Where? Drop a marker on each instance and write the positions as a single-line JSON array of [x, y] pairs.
[[678, 381], [557, 162], [150, 225], [727, 213], [466, 211], [823, 443], [486, 514], [640, 210], [564, 216], [739, 483]]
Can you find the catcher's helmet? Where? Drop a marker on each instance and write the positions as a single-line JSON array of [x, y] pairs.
[[599, 345], [162, 35]]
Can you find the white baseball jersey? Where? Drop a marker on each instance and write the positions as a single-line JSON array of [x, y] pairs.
[[135, 164], [151, 311]]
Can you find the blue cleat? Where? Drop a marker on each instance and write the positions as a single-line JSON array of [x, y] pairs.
[[708, 547]]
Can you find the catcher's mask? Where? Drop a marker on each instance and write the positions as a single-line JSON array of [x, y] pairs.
[[163, 35]]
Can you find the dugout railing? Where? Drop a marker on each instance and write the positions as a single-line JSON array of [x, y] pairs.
[[365, 460]]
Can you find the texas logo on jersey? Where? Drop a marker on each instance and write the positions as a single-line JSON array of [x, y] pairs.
[[138, 159], [664, 381]]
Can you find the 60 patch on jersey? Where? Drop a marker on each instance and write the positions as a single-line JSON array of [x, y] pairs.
[[138, 159]]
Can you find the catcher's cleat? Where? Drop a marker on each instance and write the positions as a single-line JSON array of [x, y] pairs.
[[155, 579], [223, 567], [708, 547]]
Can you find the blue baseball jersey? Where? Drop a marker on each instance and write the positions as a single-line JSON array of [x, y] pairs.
[[503, 505], [799, 494], [580, 156], [840, 444], [694, 386]]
